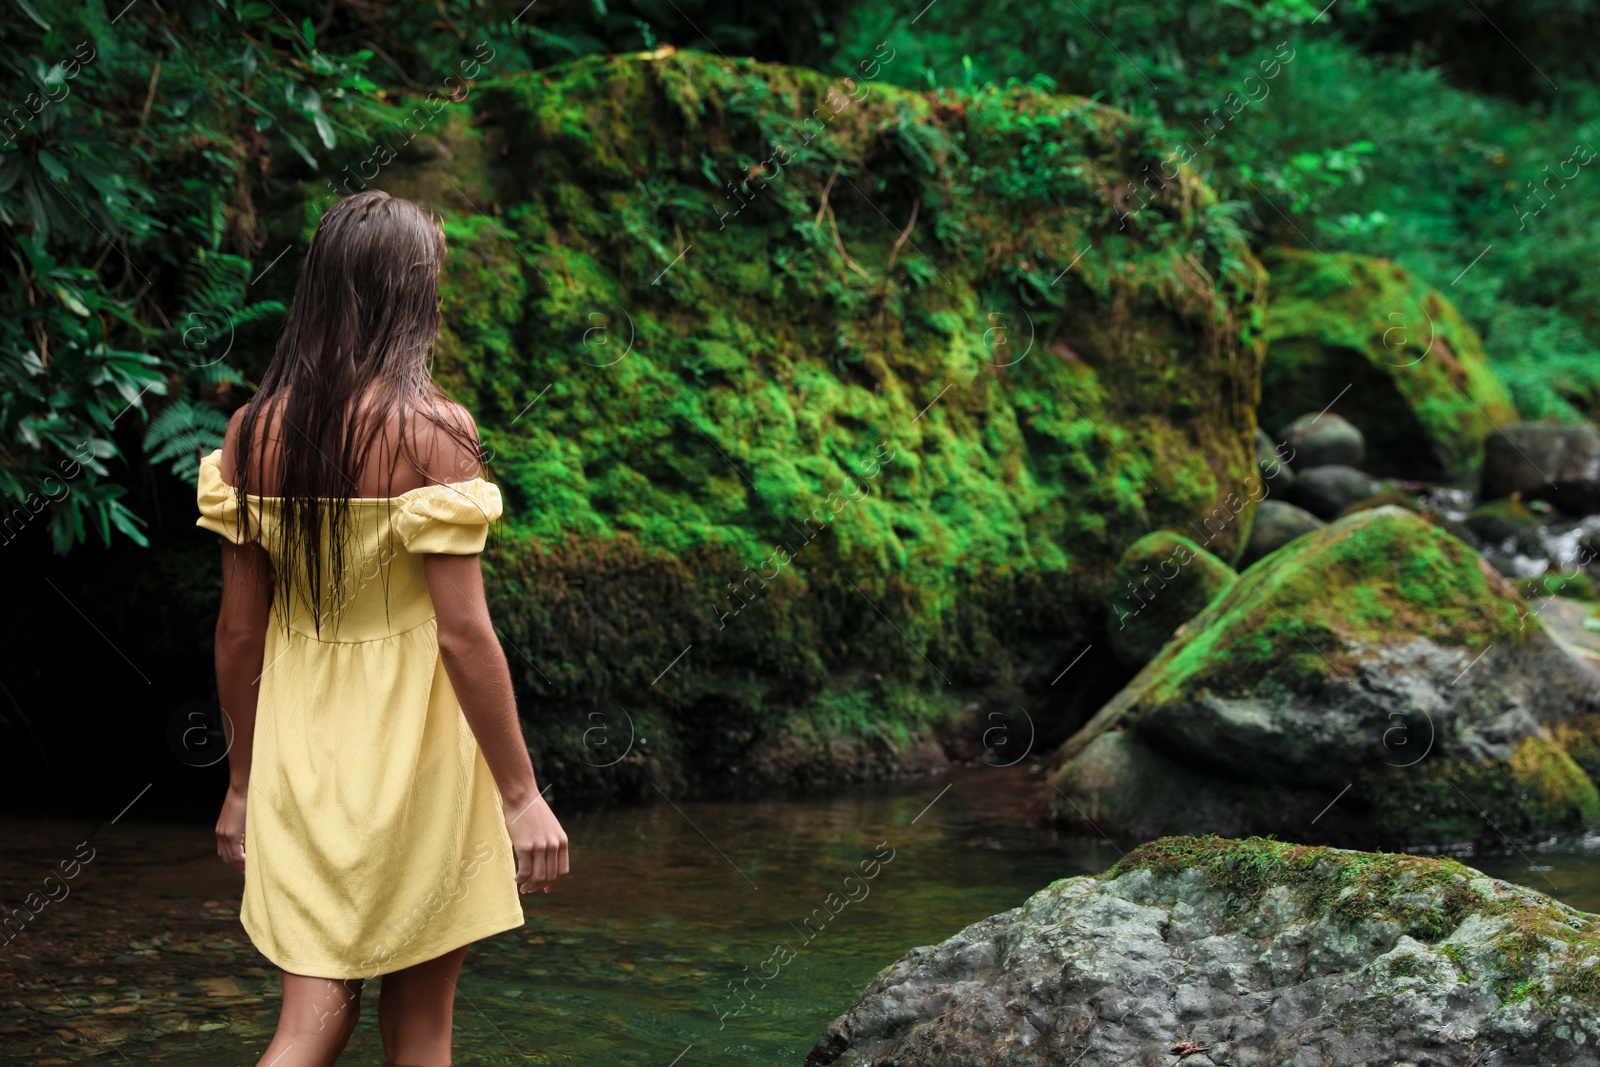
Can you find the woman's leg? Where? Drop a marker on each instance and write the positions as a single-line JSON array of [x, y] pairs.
[[318, 1016], [416, 1010]]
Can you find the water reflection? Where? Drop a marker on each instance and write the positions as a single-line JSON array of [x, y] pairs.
[[1568, 869], [688, 933]]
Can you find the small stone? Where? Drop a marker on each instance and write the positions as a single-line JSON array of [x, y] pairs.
[[1499, 521], [1326, 491], [218, 987], [1321, 440], [1275, 525]]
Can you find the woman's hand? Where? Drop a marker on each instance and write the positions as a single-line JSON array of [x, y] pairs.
[[539, 845], [230, 830]]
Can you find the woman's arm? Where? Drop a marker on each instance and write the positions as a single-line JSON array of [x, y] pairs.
[[240, 648], [476, 665]]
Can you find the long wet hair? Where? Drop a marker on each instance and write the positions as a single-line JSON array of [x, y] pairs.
[[362, 323]]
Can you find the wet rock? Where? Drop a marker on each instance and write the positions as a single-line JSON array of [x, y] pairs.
[[1276, 524], [1206, 950], [1502, 520], [1323, 439], [1377, 662], [1161, 582], [1544, 461], [1326, 491]]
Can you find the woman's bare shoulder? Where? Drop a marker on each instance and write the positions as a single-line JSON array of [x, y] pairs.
[[434, 441], [444, 438]]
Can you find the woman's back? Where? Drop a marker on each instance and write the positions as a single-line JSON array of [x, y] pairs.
[[377, 587], [415, 490], [411, 446]]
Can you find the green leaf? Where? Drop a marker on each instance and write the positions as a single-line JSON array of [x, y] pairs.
[[53, 166], [27, 9], [324, 129], [127, 522], [294, 142], [72, 302]]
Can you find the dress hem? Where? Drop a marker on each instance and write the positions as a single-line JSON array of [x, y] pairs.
[[400, 962]]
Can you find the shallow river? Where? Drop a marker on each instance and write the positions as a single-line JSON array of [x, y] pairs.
[[630, 962]]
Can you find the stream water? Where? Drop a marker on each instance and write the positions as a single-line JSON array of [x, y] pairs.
[[629, 963]]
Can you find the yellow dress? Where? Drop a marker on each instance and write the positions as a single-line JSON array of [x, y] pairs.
[[374, 834]]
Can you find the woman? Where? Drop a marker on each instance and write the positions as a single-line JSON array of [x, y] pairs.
[[381, 804]]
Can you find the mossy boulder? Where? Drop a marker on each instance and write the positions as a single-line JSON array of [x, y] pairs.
[[1391, 352], [1161, 582], [821, 409], [1252, 951], [1378, 663]]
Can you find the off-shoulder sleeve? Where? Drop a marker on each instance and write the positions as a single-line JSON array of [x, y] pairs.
[[219, 502], [452, 519]]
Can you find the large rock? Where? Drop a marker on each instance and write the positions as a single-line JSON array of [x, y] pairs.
[[1373, 682], [1206, 952], [1544, 461], [787, 486], [1389, 353], [1161, 582]]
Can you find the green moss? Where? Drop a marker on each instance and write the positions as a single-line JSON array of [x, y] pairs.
[[1409, 965], [1538, 951], [1426, 898], [1540, 789], [673, 384], [1501, 519], [1312, 607], [1161, 582], [1457, 955], [1578, 586], [1580, 738], [1428, 395]]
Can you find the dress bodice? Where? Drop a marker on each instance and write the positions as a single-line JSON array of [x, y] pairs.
[[382, 589]]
